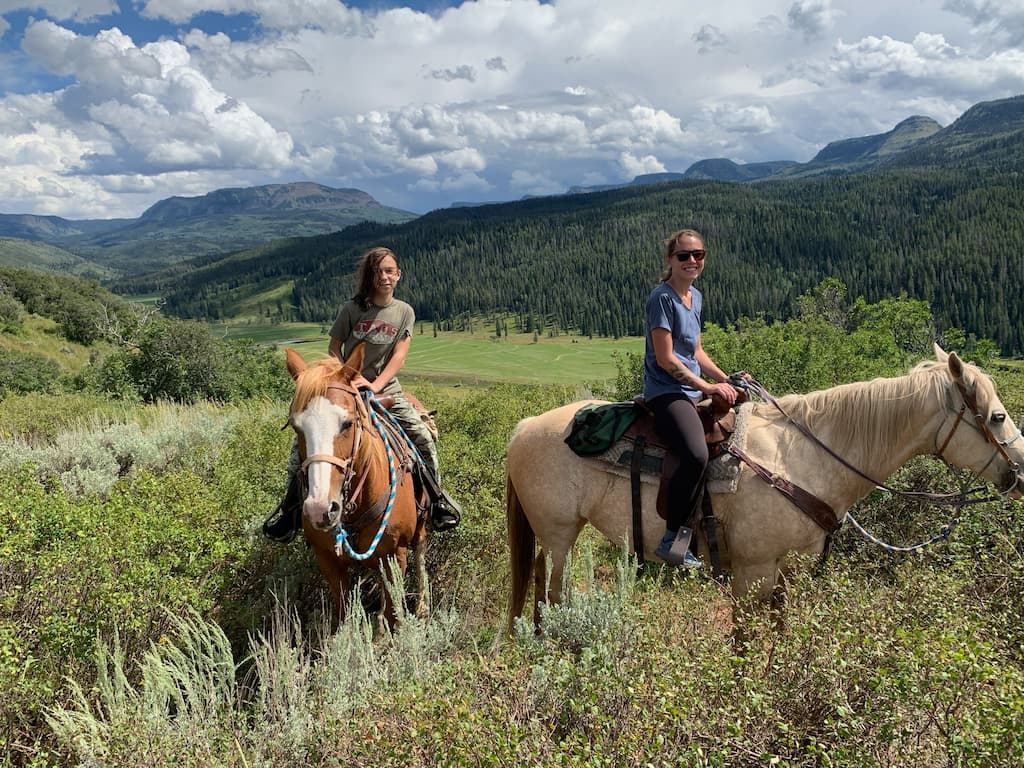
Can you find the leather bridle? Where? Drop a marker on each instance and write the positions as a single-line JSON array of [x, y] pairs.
[[981, 424], [346, 465], [929, 497]]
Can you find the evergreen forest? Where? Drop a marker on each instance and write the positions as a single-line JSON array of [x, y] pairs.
[[585, 263]]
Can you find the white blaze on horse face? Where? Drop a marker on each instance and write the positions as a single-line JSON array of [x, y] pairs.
[[319, 424]]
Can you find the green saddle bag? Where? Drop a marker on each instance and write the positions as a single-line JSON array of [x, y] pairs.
[[596, 428]]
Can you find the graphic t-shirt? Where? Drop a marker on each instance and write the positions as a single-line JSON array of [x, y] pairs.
[[379, 327]]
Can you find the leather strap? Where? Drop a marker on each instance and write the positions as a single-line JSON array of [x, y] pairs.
[[711, 536], [816, 509], [635, 486]]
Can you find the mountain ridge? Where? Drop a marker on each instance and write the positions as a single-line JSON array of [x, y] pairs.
[[180, 228]]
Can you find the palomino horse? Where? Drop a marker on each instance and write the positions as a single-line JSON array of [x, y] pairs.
[[876, 426], [360, 505]]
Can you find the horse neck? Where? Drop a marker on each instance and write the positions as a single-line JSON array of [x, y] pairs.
[[877, 425], [374, 461]]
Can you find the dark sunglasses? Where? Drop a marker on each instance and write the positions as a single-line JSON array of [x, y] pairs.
[[698, 255]]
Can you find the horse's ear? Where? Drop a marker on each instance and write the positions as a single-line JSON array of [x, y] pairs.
[[956, 366], [940, 353], [293, 360], [354, 361]]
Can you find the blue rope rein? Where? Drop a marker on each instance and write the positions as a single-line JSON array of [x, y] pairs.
[[375, 404], [341, 542], [943, 535]]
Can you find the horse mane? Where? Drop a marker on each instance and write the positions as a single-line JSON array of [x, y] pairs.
[[314, 381], [881, 411]]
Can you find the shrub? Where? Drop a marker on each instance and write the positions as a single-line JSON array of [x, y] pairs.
[[26, 372], [11, 311], [182, 361]]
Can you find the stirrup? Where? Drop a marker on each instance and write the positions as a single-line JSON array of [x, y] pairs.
[[285, 521], [445, 513], [677, 551]]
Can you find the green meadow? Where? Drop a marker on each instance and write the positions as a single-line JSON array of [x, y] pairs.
[[472, 357]]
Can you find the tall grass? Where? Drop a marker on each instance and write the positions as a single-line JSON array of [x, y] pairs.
[[146, 625]]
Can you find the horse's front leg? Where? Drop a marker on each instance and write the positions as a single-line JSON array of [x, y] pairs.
[[754, 587], [389, 572], [335, 573]]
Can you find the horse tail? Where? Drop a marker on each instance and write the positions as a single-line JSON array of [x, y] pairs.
[[521, 545]]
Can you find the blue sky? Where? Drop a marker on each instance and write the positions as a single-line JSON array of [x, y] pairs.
[[107, 106]]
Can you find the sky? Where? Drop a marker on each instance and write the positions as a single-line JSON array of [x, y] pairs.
[[107, 106]]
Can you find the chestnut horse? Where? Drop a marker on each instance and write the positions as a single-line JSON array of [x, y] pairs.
[[360, 505], [875, 426]]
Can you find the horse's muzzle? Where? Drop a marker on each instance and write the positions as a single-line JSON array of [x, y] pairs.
[[1014, 487], [322, 517]]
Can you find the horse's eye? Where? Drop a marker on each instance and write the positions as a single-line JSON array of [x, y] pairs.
[[998, 417]]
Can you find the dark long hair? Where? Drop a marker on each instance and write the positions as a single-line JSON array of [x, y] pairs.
[[367, 269]]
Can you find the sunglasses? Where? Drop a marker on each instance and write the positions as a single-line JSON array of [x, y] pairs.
[[698, 255]]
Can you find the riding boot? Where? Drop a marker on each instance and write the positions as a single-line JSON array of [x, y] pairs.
[[445, 512], [285, 521]]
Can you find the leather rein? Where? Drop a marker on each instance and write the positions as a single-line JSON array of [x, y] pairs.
[[930, 497]]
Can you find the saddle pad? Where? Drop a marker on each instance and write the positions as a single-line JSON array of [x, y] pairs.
[[723, 471]]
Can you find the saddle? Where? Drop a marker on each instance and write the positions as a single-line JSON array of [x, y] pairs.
[[718, 418]]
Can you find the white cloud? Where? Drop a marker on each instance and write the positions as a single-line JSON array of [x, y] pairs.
[[812, 18], [160, 113], [77, 10], [487, 97], [744, 119], [1002, 19], [930, 61], [637, 166], [328, 15], [709, 37], [218, 55], [534, 183]]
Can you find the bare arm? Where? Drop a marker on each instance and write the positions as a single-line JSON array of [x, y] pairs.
[[662, 340], [334, 348], [395, 363]]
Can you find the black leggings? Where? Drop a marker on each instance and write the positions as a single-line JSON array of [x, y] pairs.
[[677, 423]]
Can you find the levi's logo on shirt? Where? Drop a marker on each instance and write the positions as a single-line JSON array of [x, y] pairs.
[[375, 331]]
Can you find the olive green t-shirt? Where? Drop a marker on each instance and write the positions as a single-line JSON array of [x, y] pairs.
[[379, 327]]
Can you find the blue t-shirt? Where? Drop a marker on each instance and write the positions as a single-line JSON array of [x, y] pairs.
[[666, 310]]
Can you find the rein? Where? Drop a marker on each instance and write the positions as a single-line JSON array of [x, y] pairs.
[[920, 496], [928, 497], [341, 542]]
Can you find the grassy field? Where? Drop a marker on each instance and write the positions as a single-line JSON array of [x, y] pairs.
[[463, 357]]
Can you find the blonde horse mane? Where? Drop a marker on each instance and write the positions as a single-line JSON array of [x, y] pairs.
[[314, 381], [868, 414]]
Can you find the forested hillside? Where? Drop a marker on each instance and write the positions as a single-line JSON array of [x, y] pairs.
[[586, 262]]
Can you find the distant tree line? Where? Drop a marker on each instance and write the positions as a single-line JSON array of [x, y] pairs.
[[585, 263]]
